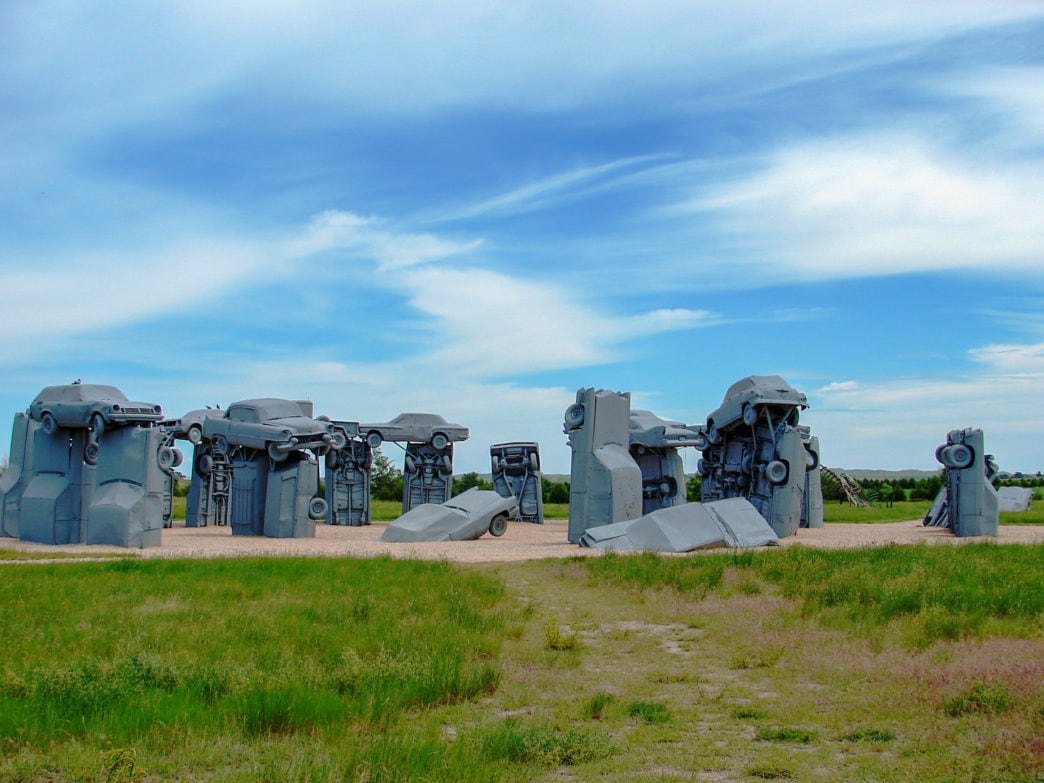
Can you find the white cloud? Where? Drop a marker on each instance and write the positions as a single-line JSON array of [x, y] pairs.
[[885, 205], [897, 424]]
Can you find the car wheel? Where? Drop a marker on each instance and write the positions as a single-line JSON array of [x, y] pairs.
[[179, 458], [534, 462], [165, 458], [495, 463], [776, 471], [97, 425], [958, 456], [49, 424], [317, 508], [701, 467], [221, 444], [812, 459], [750, 414], [90, 453], [498, 526], [409, 464], [323, 418], [713, 433], [447, 465], [439, 441], [332, 460], [574, 415], [374, 439], [275, 454], [204, 464], [339, 441], [194, 434]]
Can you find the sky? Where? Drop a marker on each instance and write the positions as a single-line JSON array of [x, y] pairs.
[[475, 209]]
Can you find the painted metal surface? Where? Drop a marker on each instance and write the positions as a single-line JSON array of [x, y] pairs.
[[968, 503], [463, 518], [515, 469], [756, 451], [605, 482], [724, 523]]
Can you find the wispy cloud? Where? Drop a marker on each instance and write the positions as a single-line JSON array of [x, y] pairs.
[[885, 205]]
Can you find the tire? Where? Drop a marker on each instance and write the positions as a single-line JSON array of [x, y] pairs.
[[339, 440], [90, 453], [194, 435], [332, 460], [776, 472], [221, 444], [317, 508], [498, 525], [204, 464], [323, 418], [275, 455], [958, 456], [165, 458], [495, 463], [439, 441], [179, 458], [750, 414], [48, 422], [409, 465], [812, 460], [447, 465], [939, 452], [534, 462], [701, 467], [574, 415], [97, 425], [374, 438], [713, 433]]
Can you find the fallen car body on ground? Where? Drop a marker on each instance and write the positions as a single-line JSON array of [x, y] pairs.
[[462, 518]]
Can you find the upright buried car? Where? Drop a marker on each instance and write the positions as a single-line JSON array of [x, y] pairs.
[[415, 428], [276, 425], [89, 406], [753, 398], [462, 518]]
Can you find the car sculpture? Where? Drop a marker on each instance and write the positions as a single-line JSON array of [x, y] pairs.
[[415, 428], [90, 406], [462, 518], [276, 425], [648, 429], [190, 426], [753, 397]]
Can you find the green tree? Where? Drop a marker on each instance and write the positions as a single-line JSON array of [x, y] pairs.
[[469, 480], [559, 493], [385, 478], [694, 488]]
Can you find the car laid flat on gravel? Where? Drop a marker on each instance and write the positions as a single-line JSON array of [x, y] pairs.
[[462, 518]]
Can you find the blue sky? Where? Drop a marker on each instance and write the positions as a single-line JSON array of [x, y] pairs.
[[475, 209]]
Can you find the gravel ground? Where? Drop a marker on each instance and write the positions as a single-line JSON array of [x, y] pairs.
[[522, 541]]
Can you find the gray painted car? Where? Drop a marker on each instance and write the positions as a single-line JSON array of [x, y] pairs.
[[462, 518], [750, 398], [277, 425], [89, 405], [415, 428], [648, 429]]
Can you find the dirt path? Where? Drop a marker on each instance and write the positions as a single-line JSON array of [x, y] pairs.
[[521, 542]]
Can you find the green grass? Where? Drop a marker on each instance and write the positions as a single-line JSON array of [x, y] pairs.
[[906, 663], [929, 593], [846, 512]]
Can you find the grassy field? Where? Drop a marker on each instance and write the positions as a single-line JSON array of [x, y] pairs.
[[897, 664]]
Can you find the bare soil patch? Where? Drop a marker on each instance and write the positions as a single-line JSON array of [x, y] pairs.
[[522, 541]]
